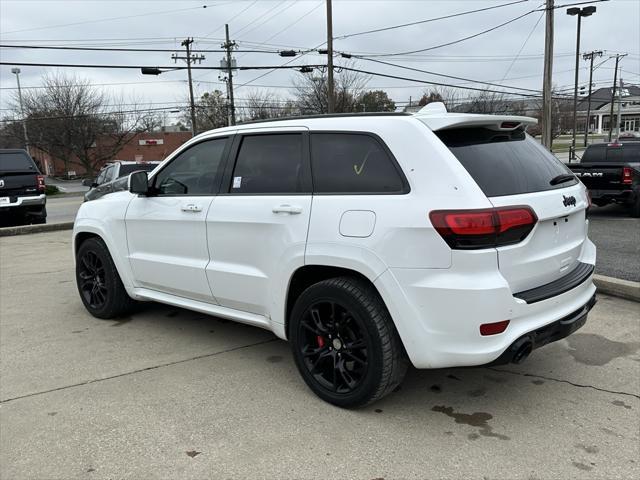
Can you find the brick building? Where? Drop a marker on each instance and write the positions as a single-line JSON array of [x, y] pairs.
[[143, 147]]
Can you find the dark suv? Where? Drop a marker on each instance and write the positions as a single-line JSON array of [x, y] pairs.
[[22, 189]]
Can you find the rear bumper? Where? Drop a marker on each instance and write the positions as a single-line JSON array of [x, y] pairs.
[[519, 350], [17, 202], [438, 313]]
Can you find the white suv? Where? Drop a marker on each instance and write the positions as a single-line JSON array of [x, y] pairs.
[[367, 241]]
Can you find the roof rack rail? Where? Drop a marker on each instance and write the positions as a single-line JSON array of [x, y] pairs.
[[330, 115]]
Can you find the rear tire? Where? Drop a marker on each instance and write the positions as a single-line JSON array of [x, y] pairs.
[[99, 284], [345, 344]]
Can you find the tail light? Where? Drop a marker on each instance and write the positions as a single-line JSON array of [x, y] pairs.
[[487, 228], [40, 183], [626, 176]]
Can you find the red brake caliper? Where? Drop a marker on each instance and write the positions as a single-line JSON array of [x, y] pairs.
[[320, 341]]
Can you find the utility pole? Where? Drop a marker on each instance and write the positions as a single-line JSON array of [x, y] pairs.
[[547, 127], [190, 58], [579, 12], [16, 71], [330, 87], [619, 108], [228, 46], [613, 94], [589, 56]]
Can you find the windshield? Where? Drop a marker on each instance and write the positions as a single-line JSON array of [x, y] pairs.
[[16, 161], [504, 163], [135, 167]]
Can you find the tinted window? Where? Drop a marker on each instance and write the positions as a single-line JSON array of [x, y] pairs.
[[102, 175], [135, 167], [16, 161], [504, 163], [352, 163], [624, 153], [269, 164], [194, 171], [109, 174]]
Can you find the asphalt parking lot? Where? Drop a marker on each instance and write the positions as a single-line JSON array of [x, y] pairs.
[[170, 393]]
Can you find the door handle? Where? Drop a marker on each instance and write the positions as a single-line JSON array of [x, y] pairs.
[[290, 209], [191, 207]]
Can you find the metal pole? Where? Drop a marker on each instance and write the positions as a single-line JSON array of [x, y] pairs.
[[619, 108], [24, 119], [232, 107], [194, 127], [575, 93], [547, 127], [330, 87], [590, 56], [613, 96]]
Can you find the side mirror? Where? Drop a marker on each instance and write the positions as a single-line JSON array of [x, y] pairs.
[[139, 183]]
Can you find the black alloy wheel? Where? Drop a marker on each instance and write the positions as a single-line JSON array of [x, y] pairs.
[[92, 282], [344, 342], [334, 347], [99, 284]]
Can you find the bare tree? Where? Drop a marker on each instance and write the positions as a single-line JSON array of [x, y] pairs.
[[73, 121], [311, 91], [264, 105]]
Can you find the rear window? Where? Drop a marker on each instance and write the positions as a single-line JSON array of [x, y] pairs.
[[624, 153], [504, 163], [16, 161], [135, 167]]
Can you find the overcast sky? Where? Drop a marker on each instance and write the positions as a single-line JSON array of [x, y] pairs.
[[272, 24]]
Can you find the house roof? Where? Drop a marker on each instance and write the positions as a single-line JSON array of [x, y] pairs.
[[602, 97]]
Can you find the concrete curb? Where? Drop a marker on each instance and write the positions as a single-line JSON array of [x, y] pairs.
[[618, 287], [26, 229]]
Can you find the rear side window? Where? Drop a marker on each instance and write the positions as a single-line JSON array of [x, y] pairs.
[[16, 161], [269, 164], [625, 153], [352, 163], [504, 163]]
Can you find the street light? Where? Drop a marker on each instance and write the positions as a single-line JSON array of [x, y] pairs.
[[16, 72], [579, 12]]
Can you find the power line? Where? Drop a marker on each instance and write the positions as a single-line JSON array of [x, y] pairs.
[[146, 14], [447, 76], [232, 18], [366, 32], [100, 49], [397, 77], [169, 68], [469, 37], [524, 44]]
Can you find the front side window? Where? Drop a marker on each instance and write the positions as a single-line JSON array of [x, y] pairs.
[[352, 163], [269, 164], [194, 171]]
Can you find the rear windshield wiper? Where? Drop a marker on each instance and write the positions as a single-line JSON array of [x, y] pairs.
[[565, 177]]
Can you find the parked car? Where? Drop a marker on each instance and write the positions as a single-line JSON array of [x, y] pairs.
[[22, 189], [611, 172], [367, 241], [112, 177]]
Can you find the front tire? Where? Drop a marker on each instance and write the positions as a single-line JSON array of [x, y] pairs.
[[345, 344], [99, 284]]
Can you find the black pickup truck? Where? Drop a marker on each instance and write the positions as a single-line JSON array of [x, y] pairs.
[[611, 172], [22, 189]]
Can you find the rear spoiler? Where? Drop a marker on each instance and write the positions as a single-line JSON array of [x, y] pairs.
[[436, 117]]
